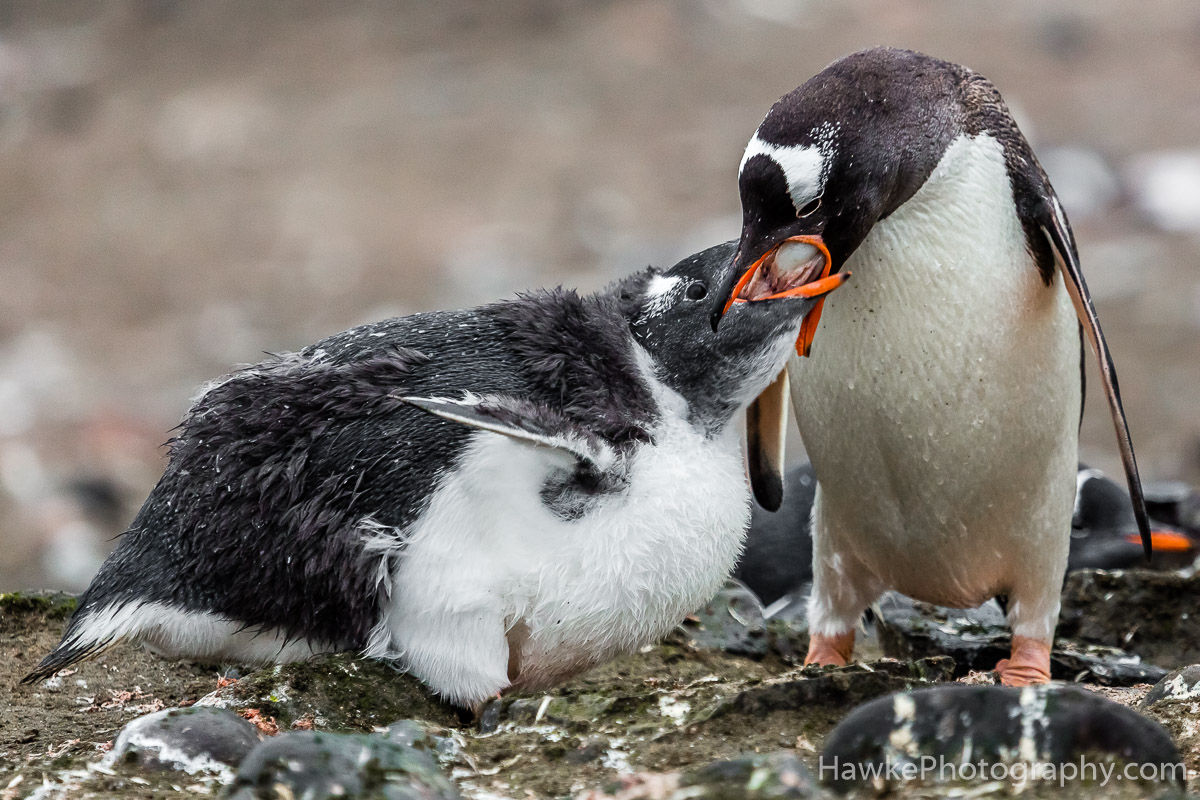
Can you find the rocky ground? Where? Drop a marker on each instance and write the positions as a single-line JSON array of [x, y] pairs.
[[719, 709], [185, 185]]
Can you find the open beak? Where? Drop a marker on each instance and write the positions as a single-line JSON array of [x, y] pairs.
[[796, 267]]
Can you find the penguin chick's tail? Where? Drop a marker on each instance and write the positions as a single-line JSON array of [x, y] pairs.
[[75, 646]]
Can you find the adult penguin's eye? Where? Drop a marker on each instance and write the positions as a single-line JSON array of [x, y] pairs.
[[809, 207], [697, 291]]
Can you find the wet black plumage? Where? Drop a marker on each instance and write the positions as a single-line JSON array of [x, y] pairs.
[[286, 458]]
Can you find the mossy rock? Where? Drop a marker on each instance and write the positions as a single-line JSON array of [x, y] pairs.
[[335, 692], [46, 605]]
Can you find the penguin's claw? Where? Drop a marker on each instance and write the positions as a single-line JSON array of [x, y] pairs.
[[830, 651], [1028, 665]]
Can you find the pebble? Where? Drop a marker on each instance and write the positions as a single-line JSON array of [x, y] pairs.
[[963, 731], [191, 740], [316, 765]]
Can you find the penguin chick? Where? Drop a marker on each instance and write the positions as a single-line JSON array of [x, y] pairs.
[[956, 351], [496, 498]]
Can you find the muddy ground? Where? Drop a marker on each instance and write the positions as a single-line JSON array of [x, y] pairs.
[[671, 708]]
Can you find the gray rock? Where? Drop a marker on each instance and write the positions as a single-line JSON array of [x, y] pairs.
[[732, 621], [1152, 614], [976, 638], [188, 739], [317, 765], [445, 745], [1182, 685], [957, 733], [752, 777]]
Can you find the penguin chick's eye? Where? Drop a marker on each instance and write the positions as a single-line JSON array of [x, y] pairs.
[[809, 207], [697, 291]]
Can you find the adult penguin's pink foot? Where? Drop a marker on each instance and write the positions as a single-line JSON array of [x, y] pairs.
[[1028, 665], [830, 651]]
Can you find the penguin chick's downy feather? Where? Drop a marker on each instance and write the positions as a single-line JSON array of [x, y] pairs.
[[493, 497]]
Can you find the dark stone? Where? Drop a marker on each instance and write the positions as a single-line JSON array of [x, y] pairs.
[[1182, 685], [787, 624], [1152, 614], [189, 739], [337, 691], [489, 717], [319, 765], [1094, 663], [752, 777], [1053, 725], [732, 621], [976, 638], [588, 752]]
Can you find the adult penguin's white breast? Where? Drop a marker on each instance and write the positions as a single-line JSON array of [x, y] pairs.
[[941, 402]]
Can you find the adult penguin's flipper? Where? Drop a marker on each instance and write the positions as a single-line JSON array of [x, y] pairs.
[[1054, 227], [766, 432]]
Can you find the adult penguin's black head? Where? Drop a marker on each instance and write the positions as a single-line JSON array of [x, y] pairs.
[[845, 150]]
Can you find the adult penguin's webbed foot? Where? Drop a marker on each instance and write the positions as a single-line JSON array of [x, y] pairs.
[[1028, 664]]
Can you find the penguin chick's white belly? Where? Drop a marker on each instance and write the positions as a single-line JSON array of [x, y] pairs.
[[489, 565], [940, 406]]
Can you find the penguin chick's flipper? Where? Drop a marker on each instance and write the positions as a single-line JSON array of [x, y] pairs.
[[766, 432], [68, 651], [522, 420], [1054, 227]]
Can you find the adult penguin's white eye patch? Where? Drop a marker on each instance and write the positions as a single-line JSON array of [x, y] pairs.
[[803, 168]]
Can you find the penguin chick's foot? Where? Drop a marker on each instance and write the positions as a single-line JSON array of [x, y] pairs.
[[830, 651], [1028, 665]]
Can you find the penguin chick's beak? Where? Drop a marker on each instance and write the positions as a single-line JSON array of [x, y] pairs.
[[796, 267]]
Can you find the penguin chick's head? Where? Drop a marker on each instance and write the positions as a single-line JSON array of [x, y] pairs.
[[843, 151], [716, 371]]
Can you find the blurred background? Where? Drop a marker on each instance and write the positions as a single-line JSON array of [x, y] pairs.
[[186, 185]]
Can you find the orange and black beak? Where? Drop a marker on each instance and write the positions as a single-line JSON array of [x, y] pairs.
[[799, 266]]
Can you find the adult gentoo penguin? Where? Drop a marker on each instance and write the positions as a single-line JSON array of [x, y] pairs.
[[941, 406], [496, 497]]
